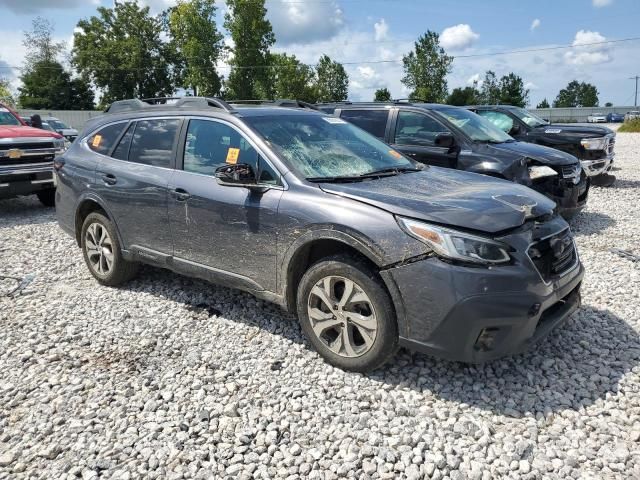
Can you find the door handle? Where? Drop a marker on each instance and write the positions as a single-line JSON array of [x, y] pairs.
[[109, 179], [181, 194]]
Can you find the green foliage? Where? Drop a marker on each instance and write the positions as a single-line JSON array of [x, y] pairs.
[[630, 126], [6, 96], [490, 89], [40, 44], [608, 104], [426, 69], [197, 45], [463, 96], [543, 104], [332, 81], [48, 86], [121, 52], [252, 36], [292, 79], [382, 95], [512, 91], [577, 94]]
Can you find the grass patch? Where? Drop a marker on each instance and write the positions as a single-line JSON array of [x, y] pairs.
[[630, 126]]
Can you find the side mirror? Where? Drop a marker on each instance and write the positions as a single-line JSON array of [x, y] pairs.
[[515, 130], [444, 140], [238, 175]]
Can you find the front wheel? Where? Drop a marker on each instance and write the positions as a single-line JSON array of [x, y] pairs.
[[101, 251], [347, 314]]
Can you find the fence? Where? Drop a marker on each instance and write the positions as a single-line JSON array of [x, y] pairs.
[[576, 114], [73, 118]]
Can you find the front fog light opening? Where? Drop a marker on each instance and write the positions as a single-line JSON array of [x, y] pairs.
[[487, 339]]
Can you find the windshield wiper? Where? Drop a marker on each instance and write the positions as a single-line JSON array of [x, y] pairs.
[[383, 172]]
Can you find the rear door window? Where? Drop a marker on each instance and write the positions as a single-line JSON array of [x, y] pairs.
[[417, 129], [154, 141], [501, 120], [373, 121], [104, 139]]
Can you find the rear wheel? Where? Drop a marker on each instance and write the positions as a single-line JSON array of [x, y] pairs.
[[102, 253], [347, 314], [47, 197]]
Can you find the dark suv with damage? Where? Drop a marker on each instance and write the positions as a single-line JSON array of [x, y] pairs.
[[591, 144], [453, 137], [369, 248]]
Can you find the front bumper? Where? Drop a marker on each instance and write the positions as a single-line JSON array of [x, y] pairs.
[[599, 166], [570, 198], [25, 180], [478, 314]]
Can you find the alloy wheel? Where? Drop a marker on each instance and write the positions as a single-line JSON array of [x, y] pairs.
[[342, 316], [99, 248]]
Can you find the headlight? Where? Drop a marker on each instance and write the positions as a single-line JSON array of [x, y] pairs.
[[594, 143], [457, 245], [540, 171], [59, 145]]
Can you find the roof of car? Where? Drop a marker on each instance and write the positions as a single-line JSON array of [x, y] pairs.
[[506, 107], [352, 105]]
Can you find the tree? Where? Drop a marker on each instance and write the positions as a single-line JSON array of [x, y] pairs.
[[608, 104], [252, 36], [543, 104], [292, 79], [121, 52], [48, 86], [490, 89], [40, 44], [197, 45], [512, 91], [6, 96], [332, 81], [426, 69], [463, 96], [577, 94], [382, 95]]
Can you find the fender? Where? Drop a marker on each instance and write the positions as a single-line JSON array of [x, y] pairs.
[[90, 195]]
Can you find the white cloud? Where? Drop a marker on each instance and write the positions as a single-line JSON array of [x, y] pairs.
[[585, 53], [535, 24], [602, 3], [382, 30], [295, 22], [476, 78], [458, 37], [531, 86]]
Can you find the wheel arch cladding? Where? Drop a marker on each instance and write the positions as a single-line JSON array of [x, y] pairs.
[[85, 208]]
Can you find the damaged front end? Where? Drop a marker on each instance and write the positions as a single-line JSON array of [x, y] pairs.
[[567, 185]]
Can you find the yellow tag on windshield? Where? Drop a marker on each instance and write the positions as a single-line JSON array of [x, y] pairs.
[[97, 139], [232, 155], [395, 154]]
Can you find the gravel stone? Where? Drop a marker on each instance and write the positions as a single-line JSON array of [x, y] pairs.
[[171, 377]]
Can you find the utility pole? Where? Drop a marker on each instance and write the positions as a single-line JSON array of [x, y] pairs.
[[635, 104]]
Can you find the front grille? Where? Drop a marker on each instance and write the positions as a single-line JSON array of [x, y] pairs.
[[570, 171], [26, 146], [610, 145], [554, 256], [18, 153]]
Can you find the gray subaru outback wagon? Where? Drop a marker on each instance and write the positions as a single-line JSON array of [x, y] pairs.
[[370, 249]]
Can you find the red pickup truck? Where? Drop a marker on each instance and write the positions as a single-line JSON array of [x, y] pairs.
[[26, 158]]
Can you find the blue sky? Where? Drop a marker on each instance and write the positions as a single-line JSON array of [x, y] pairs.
[[361, 32]]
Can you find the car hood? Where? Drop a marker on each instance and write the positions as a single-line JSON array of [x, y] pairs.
[[450, 197], [21, 131], [540, 153], [585, 131]]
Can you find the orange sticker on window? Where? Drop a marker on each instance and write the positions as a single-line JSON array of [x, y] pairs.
[[97, 139], [232, 155], [395, 154]]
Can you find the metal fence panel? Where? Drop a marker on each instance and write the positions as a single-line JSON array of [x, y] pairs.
[[73, 118], [576, 114]]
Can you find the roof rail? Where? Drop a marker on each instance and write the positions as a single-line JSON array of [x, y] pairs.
[[341, 102], [139, 104], [280, 102]]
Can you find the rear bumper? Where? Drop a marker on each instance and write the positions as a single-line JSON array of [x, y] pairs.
[[15, 182], [474, 314]]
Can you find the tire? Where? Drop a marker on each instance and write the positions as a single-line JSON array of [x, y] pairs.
[[47, 197], [107, 268], [345, 342]]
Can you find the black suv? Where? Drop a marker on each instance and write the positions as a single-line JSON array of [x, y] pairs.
[[593, 145], [369, 248], [453, 137]]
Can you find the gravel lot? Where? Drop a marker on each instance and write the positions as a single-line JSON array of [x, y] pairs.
[[174, 378]]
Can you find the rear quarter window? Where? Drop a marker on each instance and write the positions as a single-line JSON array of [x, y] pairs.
[[104, 139], [373, 121]]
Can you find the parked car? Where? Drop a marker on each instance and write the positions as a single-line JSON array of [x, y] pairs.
[[593, 145], [632, 115], [67, 132], [615, 117], [454, 137], [597, 118], [371, 249], [26, 158]]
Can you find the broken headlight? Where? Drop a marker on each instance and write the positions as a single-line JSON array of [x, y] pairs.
[[594, 143], [541, 171], [457, 245]]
